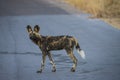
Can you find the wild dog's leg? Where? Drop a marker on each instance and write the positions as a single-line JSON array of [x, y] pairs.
[[42, 63], [71, 55], [52, 62]]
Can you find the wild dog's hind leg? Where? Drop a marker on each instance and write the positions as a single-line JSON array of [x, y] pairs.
[[71, 55], [42, 63], [52, 62]]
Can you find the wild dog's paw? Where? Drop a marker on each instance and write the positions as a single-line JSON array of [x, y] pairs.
[[72, 70], [39, 71], [54, 70]]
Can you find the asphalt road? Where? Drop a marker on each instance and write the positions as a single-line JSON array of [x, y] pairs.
[[20, 58], [29, 7]]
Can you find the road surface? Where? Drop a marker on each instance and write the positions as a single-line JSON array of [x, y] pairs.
[[20, 58]]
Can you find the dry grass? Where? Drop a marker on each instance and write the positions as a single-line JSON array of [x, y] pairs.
[[99, 8], [115, 22]]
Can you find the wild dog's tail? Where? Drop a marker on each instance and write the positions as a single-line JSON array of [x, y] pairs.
[[80, 51]]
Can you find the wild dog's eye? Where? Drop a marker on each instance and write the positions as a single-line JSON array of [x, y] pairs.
[[33, 34]]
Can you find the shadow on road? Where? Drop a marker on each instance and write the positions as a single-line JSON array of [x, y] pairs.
[[29, 7]]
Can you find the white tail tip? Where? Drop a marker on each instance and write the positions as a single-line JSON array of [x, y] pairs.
[[82, 53]]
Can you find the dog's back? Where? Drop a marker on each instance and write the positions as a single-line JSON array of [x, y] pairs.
[[58, 42]]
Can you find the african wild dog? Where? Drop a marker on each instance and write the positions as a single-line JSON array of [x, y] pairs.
[[48, 43]]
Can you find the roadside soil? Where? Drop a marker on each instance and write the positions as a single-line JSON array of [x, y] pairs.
[[113, 21]]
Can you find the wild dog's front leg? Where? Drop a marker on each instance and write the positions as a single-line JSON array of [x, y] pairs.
[[42, 63], [52, 62]]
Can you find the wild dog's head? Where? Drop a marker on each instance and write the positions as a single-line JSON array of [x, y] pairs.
[[34, 34]]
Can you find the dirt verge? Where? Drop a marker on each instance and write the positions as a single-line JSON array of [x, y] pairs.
[[108, 11]]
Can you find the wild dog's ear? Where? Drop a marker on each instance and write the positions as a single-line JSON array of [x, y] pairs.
[[29, 29], [36, 28]]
